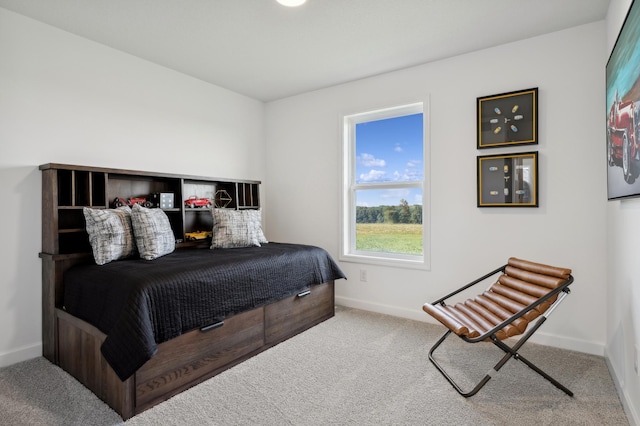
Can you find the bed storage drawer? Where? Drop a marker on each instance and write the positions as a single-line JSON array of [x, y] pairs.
[[202, 353], [297, 313]]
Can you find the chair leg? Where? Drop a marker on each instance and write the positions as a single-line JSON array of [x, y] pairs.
[[509, 352], [513, 352], [473, 391], [543, 374]]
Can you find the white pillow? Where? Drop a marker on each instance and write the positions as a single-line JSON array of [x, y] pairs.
[[153, 232], [237, 228], [110, 233]]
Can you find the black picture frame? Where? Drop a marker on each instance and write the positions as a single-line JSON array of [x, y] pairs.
[[623, 110], [508, 180], [508, 119]]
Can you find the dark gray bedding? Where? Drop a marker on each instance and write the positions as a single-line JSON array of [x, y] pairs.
[[139, 304]]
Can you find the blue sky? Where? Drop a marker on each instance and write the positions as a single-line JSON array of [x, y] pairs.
[[389, 150]]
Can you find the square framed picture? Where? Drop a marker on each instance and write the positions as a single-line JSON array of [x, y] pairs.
[[508, 180], [508, 119]]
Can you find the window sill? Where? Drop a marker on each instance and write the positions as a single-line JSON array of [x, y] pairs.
[[416, 263]]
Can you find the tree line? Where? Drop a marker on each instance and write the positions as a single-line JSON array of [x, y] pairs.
[[402, 213]]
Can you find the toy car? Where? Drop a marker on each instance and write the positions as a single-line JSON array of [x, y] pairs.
[[194, 201], [120, 202], [197, 235]]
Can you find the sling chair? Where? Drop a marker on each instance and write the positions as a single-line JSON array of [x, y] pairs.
[[524, 292]]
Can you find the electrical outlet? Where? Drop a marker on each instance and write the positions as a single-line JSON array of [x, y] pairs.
[[363, 275]]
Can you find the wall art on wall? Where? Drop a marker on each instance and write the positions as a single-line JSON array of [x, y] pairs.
[[508, 119], [623, 110], [508, 180]]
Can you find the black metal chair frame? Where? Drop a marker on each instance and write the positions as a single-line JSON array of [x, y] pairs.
[[510, 351]]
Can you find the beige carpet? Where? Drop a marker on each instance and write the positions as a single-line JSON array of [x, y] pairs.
[[358, 368]]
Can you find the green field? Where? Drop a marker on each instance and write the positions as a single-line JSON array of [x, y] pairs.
[[389, 238]]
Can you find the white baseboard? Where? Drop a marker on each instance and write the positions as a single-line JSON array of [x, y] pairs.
[[564, 342], [629, 408], [418, 314], [20, 354]]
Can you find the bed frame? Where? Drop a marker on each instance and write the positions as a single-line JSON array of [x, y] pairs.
[[180, 363]]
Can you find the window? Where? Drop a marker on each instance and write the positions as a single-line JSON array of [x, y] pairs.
[[384, 187]]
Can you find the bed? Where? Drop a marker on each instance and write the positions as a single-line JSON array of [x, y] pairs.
[[137, 332]]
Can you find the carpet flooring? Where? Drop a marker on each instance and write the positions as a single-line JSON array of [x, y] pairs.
[[358, 368]]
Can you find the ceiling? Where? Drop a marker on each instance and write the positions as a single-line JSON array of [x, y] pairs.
[[266, 51]]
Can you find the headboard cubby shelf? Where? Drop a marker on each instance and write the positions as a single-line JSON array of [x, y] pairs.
[[69, 188]]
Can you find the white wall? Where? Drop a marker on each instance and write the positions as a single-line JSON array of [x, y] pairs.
[[568, 229], [68, 100], [623, 268]]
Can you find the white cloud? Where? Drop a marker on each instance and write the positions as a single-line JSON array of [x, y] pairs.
[[414, 163], [372, 176], [368, 160], [398, 148], [407, 175]]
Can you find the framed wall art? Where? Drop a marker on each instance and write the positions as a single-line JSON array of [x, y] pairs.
[[508, 119], [508, 180], [623, 110]]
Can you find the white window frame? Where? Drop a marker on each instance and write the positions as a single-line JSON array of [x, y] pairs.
[[348, 252]]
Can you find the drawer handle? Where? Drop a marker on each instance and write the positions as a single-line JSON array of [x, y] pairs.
[[212, 326], [304, 293]]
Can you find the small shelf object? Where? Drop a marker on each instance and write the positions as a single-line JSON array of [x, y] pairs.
[[121, 202], [196, 202], [197, 235], [166, 200], [223, 199]]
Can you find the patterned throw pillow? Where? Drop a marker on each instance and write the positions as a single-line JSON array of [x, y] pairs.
[[254, 217], [237, 228], [153, 232], [110, 233]]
